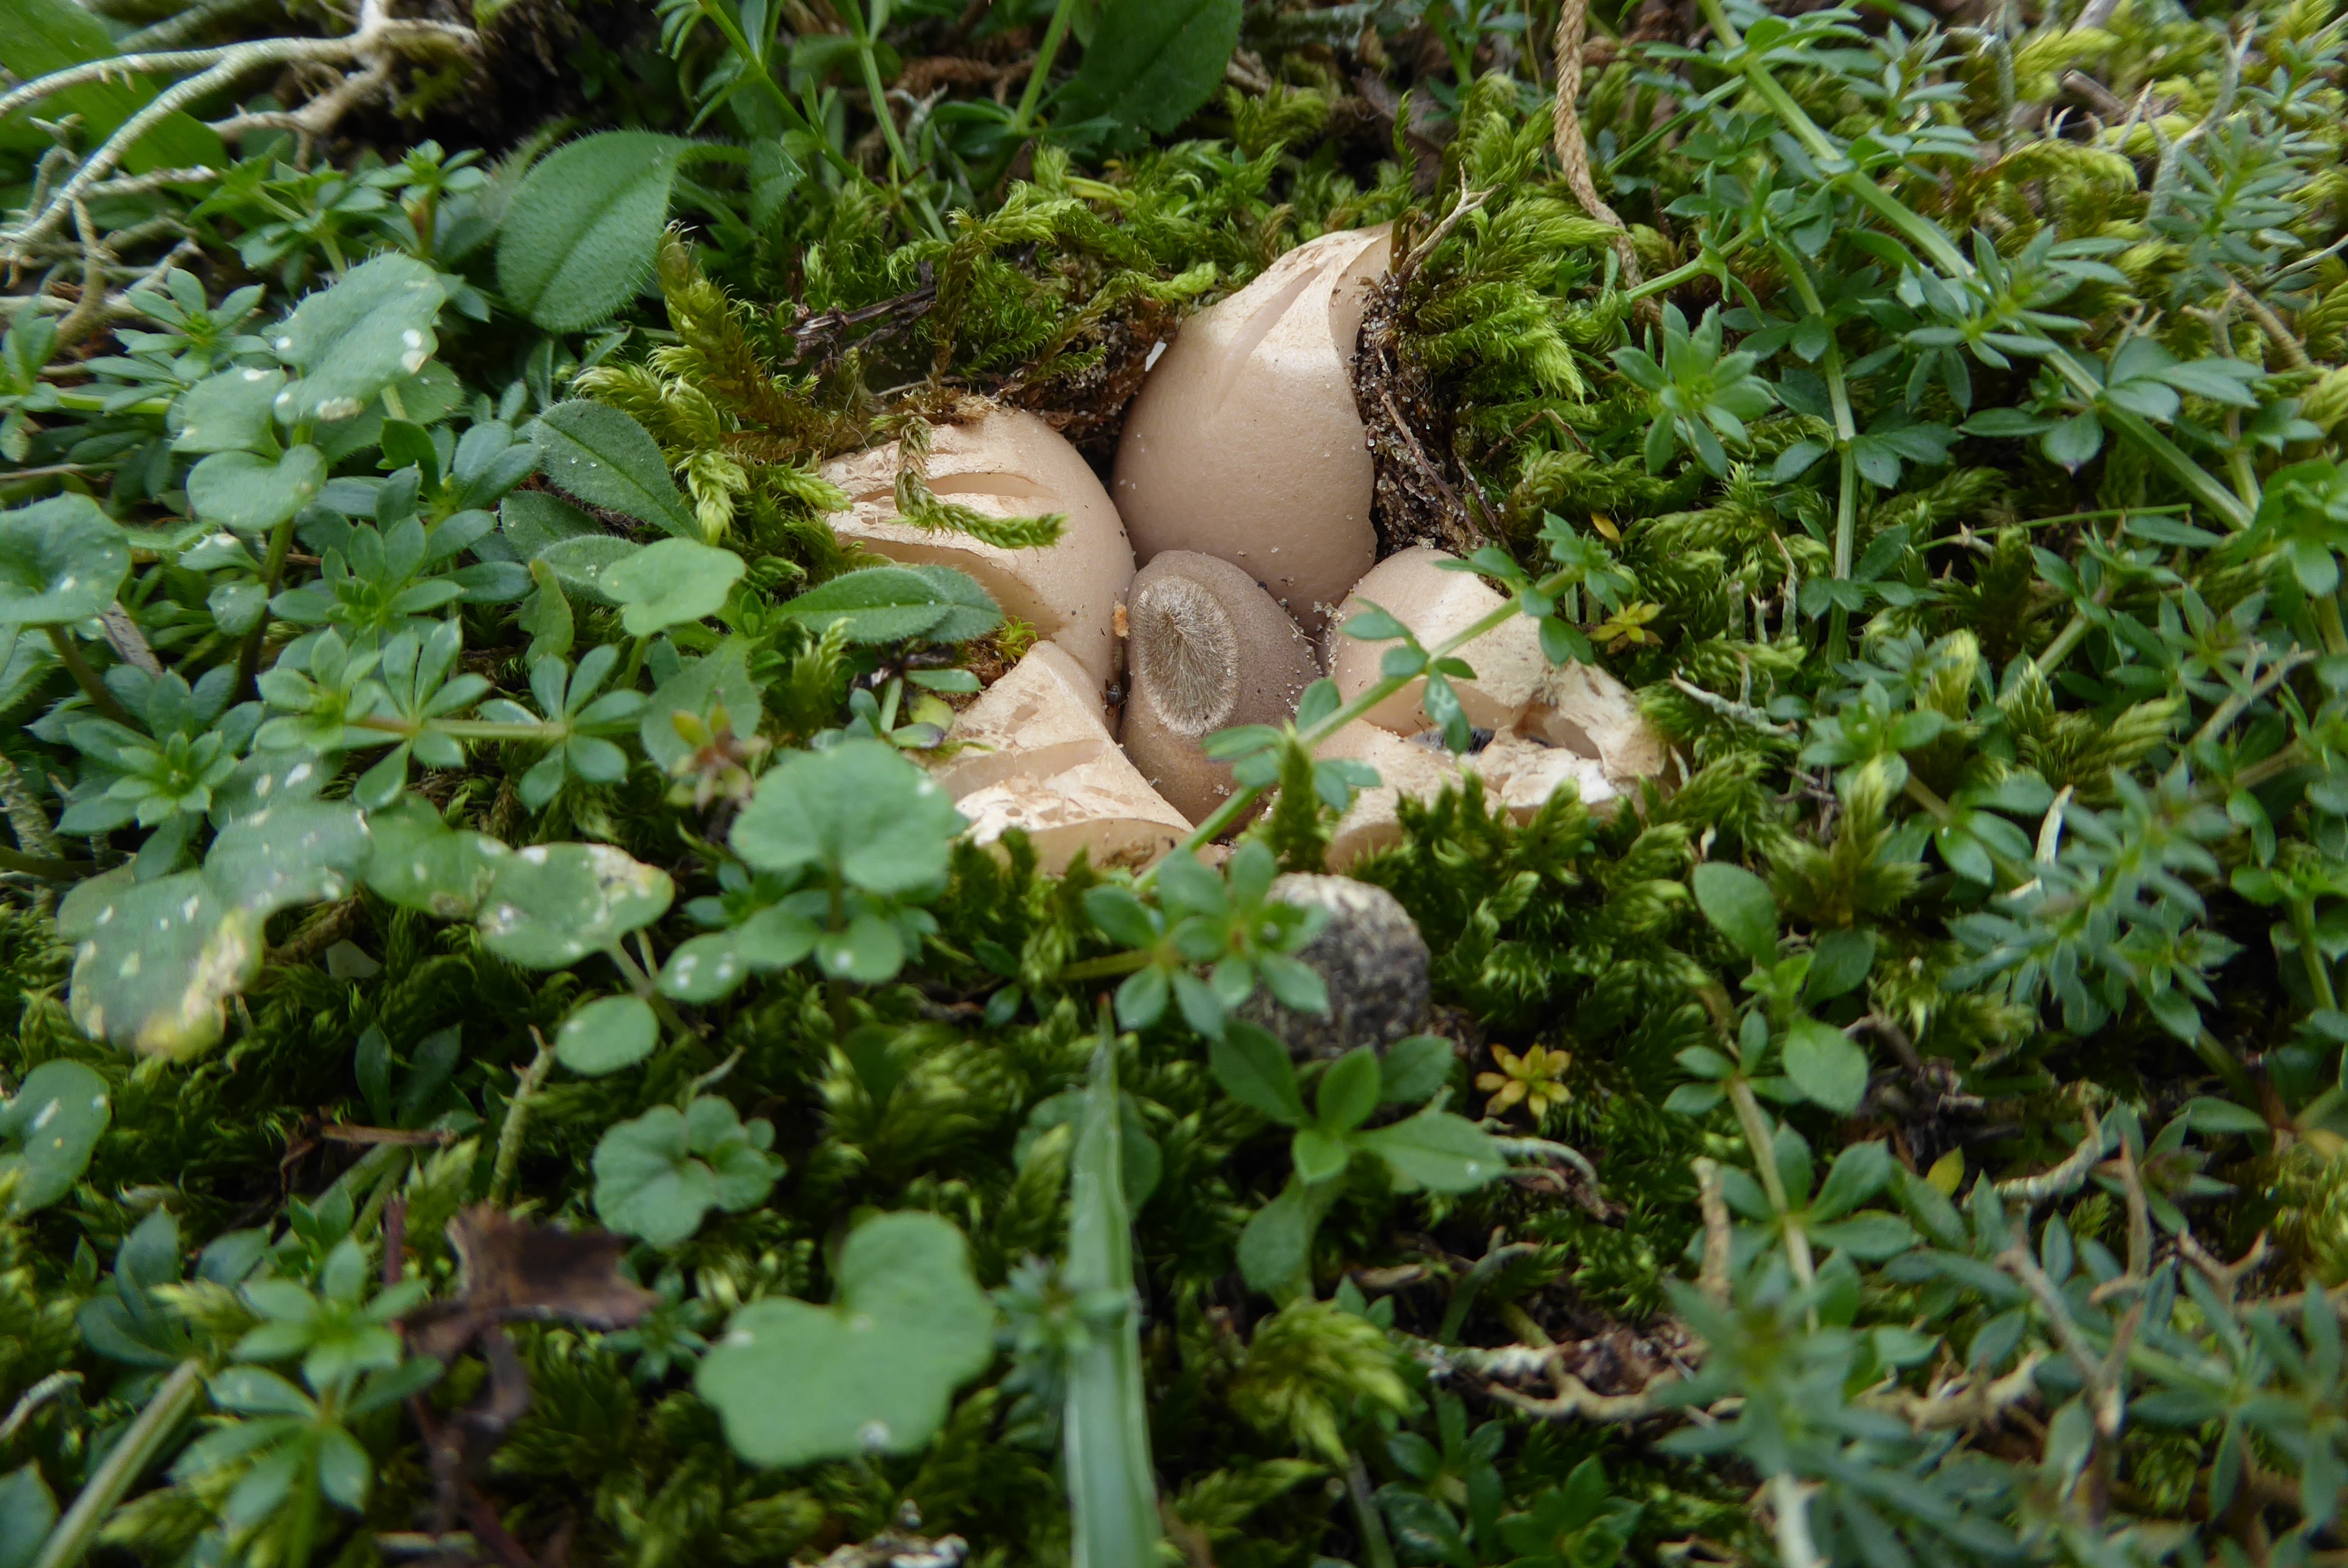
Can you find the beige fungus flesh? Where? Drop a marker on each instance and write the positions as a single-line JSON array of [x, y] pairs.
[[1009, 464], [1244, 442]]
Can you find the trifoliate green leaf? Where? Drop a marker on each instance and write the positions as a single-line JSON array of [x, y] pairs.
[[657, 1175], [606, 1035], [859, 810], [350, 340], [872, 1373], [229, 412], [421, 863], [155, 962], [252, 494], [554, 904], [61, 560], [670, 583]]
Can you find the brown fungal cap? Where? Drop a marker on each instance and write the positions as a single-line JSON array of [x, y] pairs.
[[1206, 649], [1007, 465], [1245, 443]]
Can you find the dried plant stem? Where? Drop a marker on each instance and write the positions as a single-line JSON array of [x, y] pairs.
[[1573, 151], [377, 45]]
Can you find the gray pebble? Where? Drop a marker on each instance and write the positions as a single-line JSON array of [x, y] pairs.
[[1372, 958]]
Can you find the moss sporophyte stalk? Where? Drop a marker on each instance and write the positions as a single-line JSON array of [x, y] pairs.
[[1491, 782]]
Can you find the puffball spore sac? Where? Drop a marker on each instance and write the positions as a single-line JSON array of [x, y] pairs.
[[1244, 442], [1207, 650]]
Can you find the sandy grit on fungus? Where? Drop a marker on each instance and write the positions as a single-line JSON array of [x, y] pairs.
[[1007, 465], [1244, 442]]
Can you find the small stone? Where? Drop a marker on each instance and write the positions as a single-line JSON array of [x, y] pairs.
[[1372, 958]]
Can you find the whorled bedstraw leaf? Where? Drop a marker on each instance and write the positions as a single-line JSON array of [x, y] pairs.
[[669, 583], [554, 904], [1825, 1065], [48, 1131], [155, 962], [657, 1175], [61, 560], [1440, 1152], [598, 454], [1739, 905], [606, 1035], [872, 1373], [229, 412], [720, 680], [349, 341], [252, 494], [859, 809], [421, 863]]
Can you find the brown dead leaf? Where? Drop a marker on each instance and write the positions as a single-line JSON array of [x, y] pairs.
[[510, 1270]]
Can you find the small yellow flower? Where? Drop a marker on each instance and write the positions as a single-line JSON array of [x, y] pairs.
[[1627, 627], [1533, 1079]]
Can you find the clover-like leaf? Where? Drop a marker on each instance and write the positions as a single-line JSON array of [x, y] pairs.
[[859, 810], [252, 494], [229, 412], [353, 340], [48, 1131], [421, 863], [873, 1372], [296, 852], [606, 1035], [707, 968], [554, 904], [61, 560], [155, 962], [669, 583], [721, 679], [657, 1175]]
